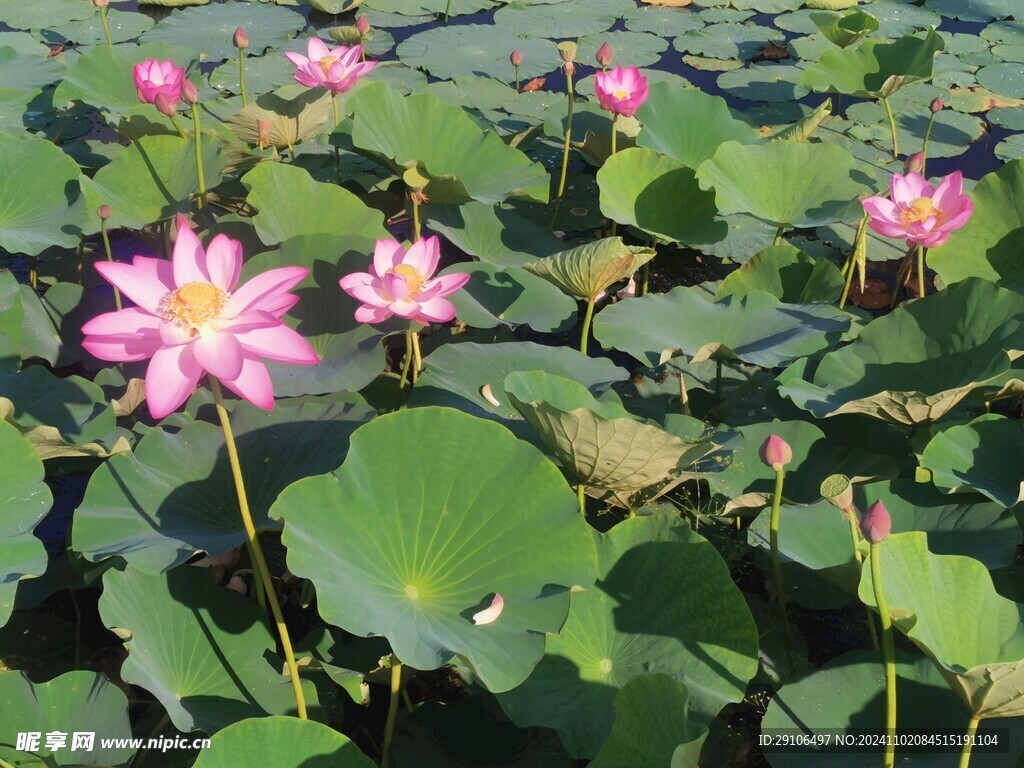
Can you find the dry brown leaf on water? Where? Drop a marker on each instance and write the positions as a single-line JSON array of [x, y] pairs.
[[537, 84]]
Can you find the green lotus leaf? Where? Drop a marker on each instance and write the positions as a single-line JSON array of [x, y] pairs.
[[764, 82], [598, 444], [844, 29], [988, 245], [152, 179], [788, 274], [416, 8], [559, 20], [204, 651], [659, 195], [39, 201], [631, 48], [913, 365], [990, 10], [124, 26], [786, 183], [75, 702], [284, 742], [12, 321], [1011, 148], [947, 606], [664, 603], [477, 49], [500, 236], [724, 41], [291, 203], [173, 3], [511, 296], [470, 164], [174, 495], [291, 119], [589, 269], [333, 7], [19, 15], [473, 91], [262, 75], [668, 22], [875, 69], [479, 513], [757, 329], [376, 42], [688, 125], [26, 71]]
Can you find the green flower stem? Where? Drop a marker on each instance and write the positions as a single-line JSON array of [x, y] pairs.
[[848, 281], [362, 50], [585, 333], [851, 515], [33, 273], [177, 127], [920, 271], [892, 128], [110, 257], [416, 224], [924, 145], [684, 397], [259, 561], [565, 149], [614, 137], [581, 494], [389, 726], [447, 10], [780, 591], [241, 76], [417, 357], [409, 354], [199, 155], [972, 730], [517, 76], [645, 278], [337, 151], [106, 26], [778, 235], [888, 653]]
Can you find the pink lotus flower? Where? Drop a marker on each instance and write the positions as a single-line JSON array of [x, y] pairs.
[[775, 452], [916, 211], [399, 283], [154, 77], [336, 69], [190, 320], [621, 91]]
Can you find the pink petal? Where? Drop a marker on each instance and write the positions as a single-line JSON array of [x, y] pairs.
[[247, 321], [880, 208], [396, 286], [122, 323], [279, 343], [888, 229], [304, 78], [368, 314], [172, 334], [387, 254], [490, 614], [122, 349], [960, 218], [317, 49], [445, 285], [297, 59], [219, 353], [224, 262], [264, 289], [406, 309], [369, 294], [188, 258], [138, 283], [424, 255], [253, 384], [437, 310], [171, 377], [949, 193]]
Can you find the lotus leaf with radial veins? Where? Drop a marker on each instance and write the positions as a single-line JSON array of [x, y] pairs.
[[563, 19], [477, 49], [589, 269], [947, 606], [477, 514], [428, 7], [914, 364], [844, 29], [788, 274], [292, 118], [470, 164], [664, 603], [283, 742], [500, 236]]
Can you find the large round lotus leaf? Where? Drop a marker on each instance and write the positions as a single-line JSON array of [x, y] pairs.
[[478, 513], [587, 270], [152, 179], [75, 702], [664, 602], [473, 91], [262, 74], [757, 329], [291, 203], [914, 364], [12, 318], [500, 236], [39, 201], [952, 132], [788, 274], [651, 726], [298, 118], [20, 15], [973, 10], [629, 49], [26, 71], [416, 8], [470, 164], [284, 742], [123, 26], [1011, 148], [174, 495], [559, 20], [764, 82], [947, 605], [659, 195], [875, 68], [173, 3], [204, 651], [667, 22], [477, 49], [599, 444], [24, 501], [786, 183], [730, 40], [988, 246], [209, 30]]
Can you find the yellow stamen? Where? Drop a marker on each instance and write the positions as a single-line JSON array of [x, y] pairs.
[[413, 278], [620, 95], [325, 64], [920, 210], [194, 304]]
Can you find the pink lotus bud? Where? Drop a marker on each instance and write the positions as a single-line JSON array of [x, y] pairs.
[[490, 614], [189, 94], [100, 3], [775, 452], [103, 212], [165, 105], [937, 106], [876, 525], [241, 39], [265, 127], [362, 25], [516, 58], [915, 163], [604, 55]]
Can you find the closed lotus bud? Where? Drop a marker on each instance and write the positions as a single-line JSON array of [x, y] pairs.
[[362, 25], [775, 452], [101, 3], [516, 58], [876, 525], [837, 490], [567, 51], [103, 212], [915, 163], [189, 94], [937, 105], [165, 105], [604, 55], [241, 39], [265, 127]]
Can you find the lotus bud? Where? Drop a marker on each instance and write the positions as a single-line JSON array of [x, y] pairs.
[[604, 55], [362, 25], [241, 39], [100, 3], [937, 106], [915, 163], [775, 452], [516, 58], [264, 127], [165, 105], [837, 490], [103, 212], [189, 94], [490, 614], [567, 51], [876, 525]]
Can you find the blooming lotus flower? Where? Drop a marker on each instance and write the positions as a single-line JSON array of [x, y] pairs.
[[621, 91], [336, 69], [919, 213], [399, 283], [154, 77], [190, 319]]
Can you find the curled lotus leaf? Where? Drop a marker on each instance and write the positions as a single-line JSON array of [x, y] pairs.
[[587, 270], [292, 118]]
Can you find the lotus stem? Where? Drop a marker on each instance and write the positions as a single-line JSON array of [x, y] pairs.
[[718, 379], [110, 257], [778, 236], [565, 148], [389, 726], [972, 730], [614, 226], [408, 357], [33, 274], [684, 396], [517, 76], [417, 358], [920, 271], [892, 128], [199, 155], [888, 654], [581, 494], [847, 282], [259, 561], [177, 126], [924, 145], [860, 246], [585, 333], [447, 10], [773, 540], [645, 278], [851, 515], [241, 78], [416, 224], [106, 26], [337, 150]]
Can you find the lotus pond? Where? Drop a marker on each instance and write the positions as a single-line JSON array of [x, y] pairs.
[[527, 384]]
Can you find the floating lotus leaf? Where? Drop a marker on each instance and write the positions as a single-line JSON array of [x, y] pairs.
[[415, 8], [875, 68], [757, 329], [587, 270], [124, 26], [664, 603], [788, 274], [26, 71], [284, 742], [173, 3], [73, 702], [667, 22], [764, 82], [729, 40], [20, 15], [1011, 148], [291, 119], [333, 7], [479, 513], [500, 236], [844, 29], [477, 49], [631, 49], [469, 164], [913, 365], [786, 183], [156, 507], [659, 195], [989, 10], [947, 606], [558, 20], [204, 651]]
